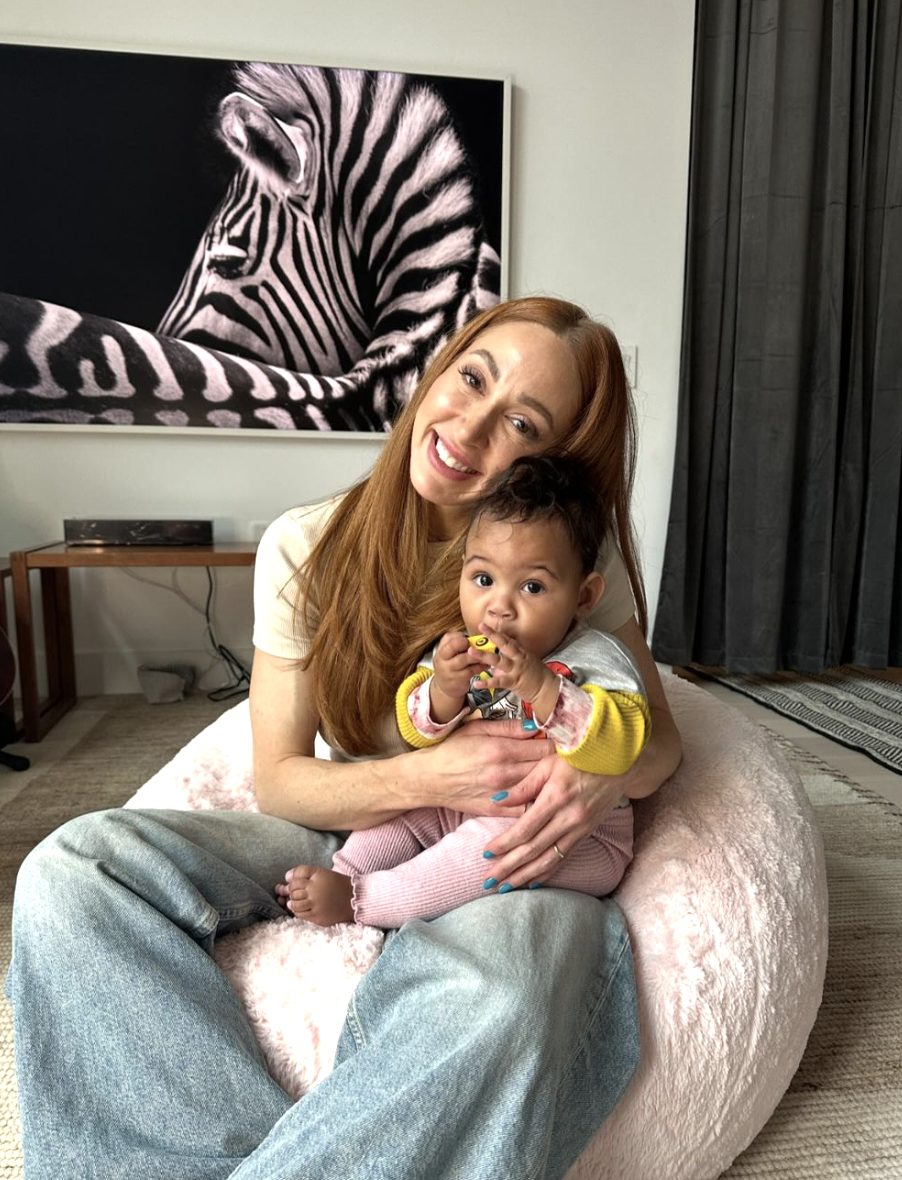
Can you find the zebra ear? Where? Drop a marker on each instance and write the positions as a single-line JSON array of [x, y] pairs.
[[280, 154]]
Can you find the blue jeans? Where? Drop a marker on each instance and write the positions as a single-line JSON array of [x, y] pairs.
[[489, 1043]]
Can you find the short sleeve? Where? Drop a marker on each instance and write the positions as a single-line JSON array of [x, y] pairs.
[[617, 605], [283, 549]]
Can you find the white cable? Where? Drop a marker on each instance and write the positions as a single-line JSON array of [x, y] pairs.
[[213, 649]]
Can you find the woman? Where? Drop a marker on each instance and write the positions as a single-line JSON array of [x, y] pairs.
[[490, 1042]]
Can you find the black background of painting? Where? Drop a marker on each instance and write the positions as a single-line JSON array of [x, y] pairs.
[[109, 171]]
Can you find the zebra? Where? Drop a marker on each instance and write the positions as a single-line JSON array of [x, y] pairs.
[[347, 248]]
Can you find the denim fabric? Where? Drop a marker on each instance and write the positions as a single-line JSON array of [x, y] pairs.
[[489, 1043]]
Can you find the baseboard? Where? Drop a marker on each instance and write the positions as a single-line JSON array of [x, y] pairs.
[[116, 672]]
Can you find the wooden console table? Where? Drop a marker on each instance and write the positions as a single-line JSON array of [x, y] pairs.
[[54, 561]]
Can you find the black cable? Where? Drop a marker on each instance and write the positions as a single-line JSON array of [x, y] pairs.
[[242, 677]]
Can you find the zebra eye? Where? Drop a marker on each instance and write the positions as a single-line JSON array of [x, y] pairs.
[[227, 260]]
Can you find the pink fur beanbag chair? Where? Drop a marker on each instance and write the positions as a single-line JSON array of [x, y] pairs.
[[727, 908]]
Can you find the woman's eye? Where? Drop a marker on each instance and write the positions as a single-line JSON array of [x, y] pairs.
[[525, 427], [483, 580], [471, 377], [533, 587]]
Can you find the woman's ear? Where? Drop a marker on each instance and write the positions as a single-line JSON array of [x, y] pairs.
[[590, 593]]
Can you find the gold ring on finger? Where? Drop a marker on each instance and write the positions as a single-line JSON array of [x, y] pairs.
[[558, 851]]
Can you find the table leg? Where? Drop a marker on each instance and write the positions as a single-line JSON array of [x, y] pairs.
[[7, 707], [25, 643], [37, 717], [59, 645], [58, 636], [65, 638]]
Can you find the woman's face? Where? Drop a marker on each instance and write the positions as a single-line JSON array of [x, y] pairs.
[[514, 392]]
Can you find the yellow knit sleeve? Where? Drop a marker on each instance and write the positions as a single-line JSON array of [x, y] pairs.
[[617, 733], [409, 731]]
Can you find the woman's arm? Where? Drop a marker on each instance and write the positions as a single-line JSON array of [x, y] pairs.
[[567, 804], [664, 751], [462, 772]]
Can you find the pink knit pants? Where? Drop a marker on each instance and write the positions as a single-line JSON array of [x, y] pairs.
[[429, 861]]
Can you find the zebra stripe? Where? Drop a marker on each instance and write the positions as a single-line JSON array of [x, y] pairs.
[[346, 250], [59, 366]]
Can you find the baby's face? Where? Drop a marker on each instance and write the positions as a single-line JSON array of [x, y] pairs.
[[524, 580]]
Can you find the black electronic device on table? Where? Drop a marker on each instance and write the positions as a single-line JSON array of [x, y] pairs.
[[138, 532]]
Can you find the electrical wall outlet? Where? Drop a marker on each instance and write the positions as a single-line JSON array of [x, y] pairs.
[[630, 354]]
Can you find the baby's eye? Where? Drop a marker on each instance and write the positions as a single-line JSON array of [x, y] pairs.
[[483, 580], [533, 587]]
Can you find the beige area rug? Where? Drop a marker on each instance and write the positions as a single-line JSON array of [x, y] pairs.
[[842, 1116]]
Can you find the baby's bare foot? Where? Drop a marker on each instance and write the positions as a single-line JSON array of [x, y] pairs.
[[317, 895]]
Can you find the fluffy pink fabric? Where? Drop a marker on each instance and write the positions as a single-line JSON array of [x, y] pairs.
[[727, 907], [295, 980]]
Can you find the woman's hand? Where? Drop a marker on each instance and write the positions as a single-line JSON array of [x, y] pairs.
[[568, 805], [563, 804], [478, 768]]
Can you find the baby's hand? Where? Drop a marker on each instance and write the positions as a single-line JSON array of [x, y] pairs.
[[523, 673], [455, 663]]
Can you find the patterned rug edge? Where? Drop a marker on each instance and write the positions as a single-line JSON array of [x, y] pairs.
[[795, 754], [751, 687]]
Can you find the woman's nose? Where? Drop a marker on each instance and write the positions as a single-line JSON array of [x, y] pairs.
[[473, 426]]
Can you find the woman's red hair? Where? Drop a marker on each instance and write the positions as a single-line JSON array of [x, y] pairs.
[[371, 589]]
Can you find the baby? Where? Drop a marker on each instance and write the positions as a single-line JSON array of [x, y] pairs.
[[527, 584]]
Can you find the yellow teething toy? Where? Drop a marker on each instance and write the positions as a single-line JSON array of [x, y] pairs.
[[482, 641]]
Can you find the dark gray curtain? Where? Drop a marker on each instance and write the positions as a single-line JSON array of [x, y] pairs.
[[784, 547]]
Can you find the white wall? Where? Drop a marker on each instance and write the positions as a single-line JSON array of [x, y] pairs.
[[599, 175]]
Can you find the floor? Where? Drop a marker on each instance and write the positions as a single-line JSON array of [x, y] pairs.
[[857, 767], [70, 730]]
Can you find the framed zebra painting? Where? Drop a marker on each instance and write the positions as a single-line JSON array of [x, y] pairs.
[[189, 243]]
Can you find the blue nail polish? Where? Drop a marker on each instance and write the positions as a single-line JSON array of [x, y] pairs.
[[536, 884], [490, 883], [529, 725], [501, 795], [488, 855], [505, 889]]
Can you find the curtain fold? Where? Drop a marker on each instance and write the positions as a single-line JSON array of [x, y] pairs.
[[784, 545]]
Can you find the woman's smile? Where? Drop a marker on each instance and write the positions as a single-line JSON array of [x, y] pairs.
[[450, 459]]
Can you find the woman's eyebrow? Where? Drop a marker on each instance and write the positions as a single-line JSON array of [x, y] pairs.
[[523, 398], [489, 361]]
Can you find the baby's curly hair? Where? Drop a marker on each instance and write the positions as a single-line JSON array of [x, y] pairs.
[[551, 486]]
